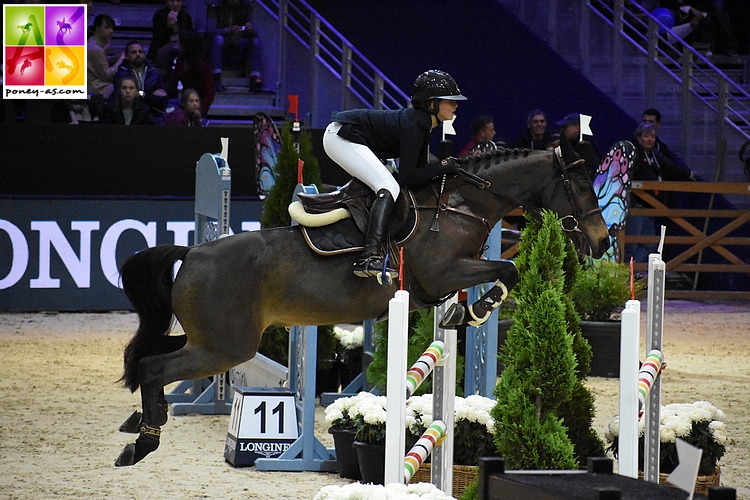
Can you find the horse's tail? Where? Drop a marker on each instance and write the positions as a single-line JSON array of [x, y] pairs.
[[147, 282]]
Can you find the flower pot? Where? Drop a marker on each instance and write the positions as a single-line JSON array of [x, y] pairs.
[[604, 338], [346, 455], [371, 462]]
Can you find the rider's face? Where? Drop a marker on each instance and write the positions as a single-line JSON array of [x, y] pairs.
[[446, 109]]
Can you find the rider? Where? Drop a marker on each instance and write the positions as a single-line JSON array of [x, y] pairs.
[[358, 138]]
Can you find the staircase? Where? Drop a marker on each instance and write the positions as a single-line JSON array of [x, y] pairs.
[[704, 99]]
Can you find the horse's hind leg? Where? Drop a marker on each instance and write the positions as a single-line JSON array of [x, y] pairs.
[[188, 363]]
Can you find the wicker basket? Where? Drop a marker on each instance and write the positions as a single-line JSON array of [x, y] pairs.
[[463, 476], [701, 483]]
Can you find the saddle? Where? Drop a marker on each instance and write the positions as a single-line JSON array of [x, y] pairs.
[[336, 222]]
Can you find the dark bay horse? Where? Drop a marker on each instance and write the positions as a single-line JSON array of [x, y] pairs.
[[229, 291]]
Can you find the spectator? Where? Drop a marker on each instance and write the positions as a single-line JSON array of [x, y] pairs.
[[150, 83], [101, 68], [482, 129], [653, 116], [127, 108], [168, 22], [192, 71], [571, 127], [649, 165], [73, 111], [235, 39], [709, 23], [536, 137], [189, 112]]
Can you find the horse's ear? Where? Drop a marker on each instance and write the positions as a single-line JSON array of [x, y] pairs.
[[568, 153]]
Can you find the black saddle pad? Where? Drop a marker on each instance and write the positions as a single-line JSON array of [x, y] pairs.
[[340, 237]]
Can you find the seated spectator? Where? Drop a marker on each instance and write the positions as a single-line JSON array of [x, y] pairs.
[[168, 22], [150, 83], [101, 67], [235, 39], [482, 129], [536, 137], [189, 112], [73, 111], [571, 127], [127, 108], [650, 165], [653, 116], [192, 71]]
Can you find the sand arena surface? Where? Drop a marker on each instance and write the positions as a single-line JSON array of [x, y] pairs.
[[61, 408]]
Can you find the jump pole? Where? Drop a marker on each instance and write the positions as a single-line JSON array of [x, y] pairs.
[[630, 338]]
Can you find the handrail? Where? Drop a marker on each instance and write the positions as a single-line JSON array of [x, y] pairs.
[[719, 93], [359, 77]]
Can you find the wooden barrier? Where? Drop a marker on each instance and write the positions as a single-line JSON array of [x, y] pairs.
[[707, 228], [699, 238]]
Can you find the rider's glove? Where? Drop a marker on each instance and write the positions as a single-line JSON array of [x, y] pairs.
[[449, 166]]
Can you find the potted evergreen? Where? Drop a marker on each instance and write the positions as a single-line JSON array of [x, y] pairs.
[[600, 292]]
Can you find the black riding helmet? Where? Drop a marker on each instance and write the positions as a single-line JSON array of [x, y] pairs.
[[431, 85]]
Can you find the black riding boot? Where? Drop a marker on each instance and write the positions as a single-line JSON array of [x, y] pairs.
[[478, 312], [370, 262]]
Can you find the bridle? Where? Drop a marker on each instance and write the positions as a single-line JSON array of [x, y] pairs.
[[569, 223]]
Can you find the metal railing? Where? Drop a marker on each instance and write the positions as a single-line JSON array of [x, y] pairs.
[[697, 75], [362, 84], [710, 111]]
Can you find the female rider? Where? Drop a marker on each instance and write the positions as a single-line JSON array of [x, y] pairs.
[[357, 139]]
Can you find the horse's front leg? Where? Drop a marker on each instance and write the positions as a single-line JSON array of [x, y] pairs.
[[476, 271]]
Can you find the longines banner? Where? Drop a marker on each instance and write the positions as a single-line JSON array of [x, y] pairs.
[[64, 254]]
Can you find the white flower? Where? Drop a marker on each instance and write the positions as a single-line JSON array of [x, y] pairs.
[[349, 339], [718, 431], [346, 408]]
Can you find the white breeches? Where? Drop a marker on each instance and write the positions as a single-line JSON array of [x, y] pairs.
[[359, 161]]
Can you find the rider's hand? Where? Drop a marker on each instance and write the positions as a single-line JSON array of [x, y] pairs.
[[449, 166]]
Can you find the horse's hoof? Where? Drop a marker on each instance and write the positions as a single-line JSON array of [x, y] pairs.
[[133, 424], [127, 456], [454, 316]]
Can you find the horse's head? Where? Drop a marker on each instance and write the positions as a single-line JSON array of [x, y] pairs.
[[555, 180], [578, 206]]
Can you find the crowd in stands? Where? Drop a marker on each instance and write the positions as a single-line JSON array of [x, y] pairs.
[[149, 82]]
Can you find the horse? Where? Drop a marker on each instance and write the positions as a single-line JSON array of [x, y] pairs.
[[25, 28], [64, 27], [227, 292], [62, 65]]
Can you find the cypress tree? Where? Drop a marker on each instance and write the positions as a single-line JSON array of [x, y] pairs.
[[540, 367]]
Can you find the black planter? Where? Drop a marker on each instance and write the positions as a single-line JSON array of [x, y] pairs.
[[371, 462], [604, 338], [346, 455]]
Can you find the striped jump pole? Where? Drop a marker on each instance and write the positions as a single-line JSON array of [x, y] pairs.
[[432, 437], [422, 368], [650, 369]]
